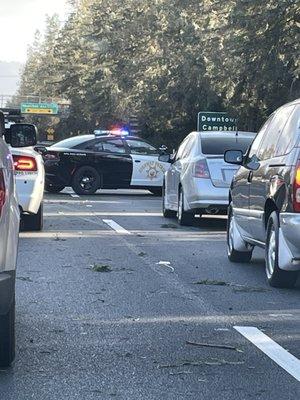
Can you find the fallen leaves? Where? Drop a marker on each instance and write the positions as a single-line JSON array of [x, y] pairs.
[[100, 268]]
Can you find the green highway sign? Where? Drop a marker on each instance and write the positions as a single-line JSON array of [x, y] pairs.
[[216, 121], [39, 108]]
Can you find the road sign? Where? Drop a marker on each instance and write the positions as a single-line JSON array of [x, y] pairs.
[[50, 134], [216, 121], [39, 108]]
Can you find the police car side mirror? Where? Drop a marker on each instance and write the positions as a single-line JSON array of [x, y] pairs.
[[22, 135]]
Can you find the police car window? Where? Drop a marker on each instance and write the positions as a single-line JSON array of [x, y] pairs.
[[273, 133], [140, 147], [71, 142], [111, 146]]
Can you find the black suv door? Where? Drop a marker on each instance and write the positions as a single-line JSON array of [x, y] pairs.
[[271, 169]]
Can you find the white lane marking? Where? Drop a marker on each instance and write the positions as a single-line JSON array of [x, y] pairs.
[[74, 195], [118, 228], [280, 315], [282, 357]]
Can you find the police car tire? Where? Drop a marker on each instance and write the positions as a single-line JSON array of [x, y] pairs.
[[7, 337], [34, 222], [77, 178], [54, 188]]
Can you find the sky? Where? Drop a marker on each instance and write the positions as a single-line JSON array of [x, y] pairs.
[[19, 19]]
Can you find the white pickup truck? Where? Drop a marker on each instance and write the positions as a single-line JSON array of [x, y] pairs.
[[18, 136]]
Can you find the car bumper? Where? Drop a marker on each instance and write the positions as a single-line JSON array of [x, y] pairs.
[[203, 194], [30, 190], [289, 241]]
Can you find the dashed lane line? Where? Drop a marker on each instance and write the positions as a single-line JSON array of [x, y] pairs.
[[278, 354], [116, 227]]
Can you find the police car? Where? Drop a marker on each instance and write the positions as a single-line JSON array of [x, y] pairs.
[[106, 160]]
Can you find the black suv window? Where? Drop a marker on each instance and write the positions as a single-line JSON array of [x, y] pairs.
[[273, 133], [140, 147]]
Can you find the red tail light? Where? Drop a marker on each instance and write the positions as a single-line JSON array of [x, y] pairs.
[[2, 191], [201, 169], [296, 189], [24, 163]]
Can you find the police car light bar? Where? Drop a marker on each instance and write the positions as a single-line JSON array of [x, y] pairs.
[[115, 132]]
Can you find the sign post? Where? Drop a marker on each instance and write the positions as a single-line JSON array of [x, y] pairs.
[[39, 108], [216, 121]]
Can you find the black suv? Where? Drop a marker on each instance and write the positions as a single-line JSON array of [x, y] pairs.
[[265, 197]]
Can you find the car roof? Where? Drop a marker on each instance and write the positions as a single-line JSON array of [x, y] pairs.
[[294, 102]]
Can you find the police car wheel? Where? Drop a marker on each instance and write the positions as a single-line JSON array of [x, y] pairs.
[[7, 337], [86, 180], [53, 188]]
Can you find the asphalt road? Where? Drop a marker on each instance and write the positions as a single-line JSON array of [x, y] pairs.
[[106, 313]]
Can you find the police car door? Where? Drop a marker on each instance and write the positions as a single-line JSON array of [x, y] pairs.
[[113, 162], [146, 169]]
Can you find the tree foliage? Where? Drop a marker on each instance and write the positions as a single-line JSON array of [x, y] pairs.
[[162, 61]]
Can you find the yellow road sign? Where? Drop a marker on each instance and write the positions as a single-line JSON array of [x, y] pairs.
[[46, 111]]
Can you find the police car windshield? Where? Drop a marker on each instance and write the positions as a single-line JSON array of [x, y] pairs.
[[72, 141]]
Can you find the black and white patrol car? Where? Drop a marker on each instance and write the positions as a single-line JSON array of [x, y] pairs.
[[103, 161]]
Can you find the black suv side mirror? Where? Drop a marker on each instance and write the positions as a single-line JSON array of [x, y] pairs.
[[21, 135], [234, 157]]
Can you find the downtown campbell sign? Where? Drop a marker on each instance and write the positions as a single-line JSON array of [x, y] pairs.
[[216, 121]]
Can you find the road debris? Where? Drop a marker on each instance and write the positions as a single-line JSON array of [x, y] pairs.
[[212, 283], [169, 226], [217, 346], [24, 278], [142, 254], [237, 288], [100, 268], [211, 362], [166, 264]]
